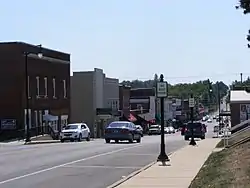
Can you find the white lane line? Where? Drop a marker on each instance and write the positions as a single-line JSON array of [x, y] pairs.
[[99, 166], [65, 164], [140, 154]]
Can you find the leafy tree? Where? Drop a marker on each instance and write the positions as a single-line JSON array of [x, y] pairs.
[[245, 5], [200, 89]]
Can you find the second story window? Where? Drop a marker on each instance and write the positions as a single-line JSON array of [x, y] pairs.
[[45, 87], [37, 87], [64, 89], [54, 87]]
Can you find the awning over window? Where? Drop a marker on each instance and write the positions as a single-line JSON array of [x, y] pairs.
[[49, 117], [132, 118]]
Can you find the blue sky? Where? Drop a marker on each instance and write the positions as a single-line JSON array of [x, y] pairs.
[[133, 39]]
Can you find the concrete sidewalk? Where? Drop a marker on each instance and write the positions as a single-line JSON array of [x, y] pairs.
[[180, 171]]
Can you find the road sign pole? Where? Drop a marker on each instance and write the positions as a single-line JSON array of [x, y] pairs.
[[162, 93], [191, 106]]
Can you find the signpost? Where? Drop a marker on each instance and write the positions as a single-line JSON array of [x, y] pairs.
[[162, 92], [162, 89]]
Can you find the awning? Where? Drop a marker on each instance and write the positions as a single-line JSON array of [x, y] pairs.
[[132, 118], [49, 117]]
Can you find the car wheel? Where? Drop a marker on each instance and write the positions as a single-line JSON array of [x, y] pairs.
[[138, 140], [116, 141], [186, 138], [62, 140], [88, 138], [132, 139], [203, 137], [107, 140], [80, 137]]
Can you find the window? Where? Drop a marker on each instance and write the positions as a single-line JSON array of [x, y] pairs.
[[45, 87], [64, 89], [28, 87], [83, 126], [54, 87], [37, 87]]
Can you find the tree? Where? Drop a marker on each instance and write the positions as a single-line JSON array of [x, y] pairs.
[[245, 5], [201, 90]]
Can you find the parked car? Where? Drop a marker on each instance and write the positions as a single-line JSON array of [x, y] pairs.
[[75, 131], [199, 130], [166, 130], [122, 130], [154, 129], [171, 130], [140, 129]]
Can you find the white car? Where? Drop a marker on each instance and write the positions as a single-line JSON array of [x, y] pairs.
[[171, 130], [166, 130], [75, 131], [209, 121]]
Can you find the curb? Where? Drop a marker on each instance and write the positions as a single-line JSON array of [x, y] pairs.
[[47, 142], [119, 182]]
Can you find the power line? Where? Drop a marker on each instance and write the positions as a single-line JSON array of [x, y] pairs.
[[194, 76]]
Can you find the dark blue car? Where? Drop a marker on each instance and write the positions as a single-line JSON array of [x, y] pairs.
[[122, 130]]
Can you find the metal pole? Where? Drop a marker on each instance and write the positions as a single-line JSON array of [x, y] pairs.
[[241, 78], [218, 88], [192, 142], [163, 156], [27, 98]]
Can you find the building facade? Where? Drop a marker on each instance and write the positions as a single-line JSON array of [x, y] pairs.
[[48, 79], [142, 101], [94, 99], [124, 100]]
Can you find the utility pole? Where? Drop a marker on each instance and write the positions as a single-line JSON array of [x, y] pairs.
[[241, 78], [162, 94], [218, 90]]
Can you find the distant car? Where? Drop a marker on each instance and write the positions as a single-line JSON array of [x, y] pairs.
[[214, 117], [199, 130], [75, 131], [140, 129], [154, 130], [204, 119], [171, 130], [166, 130], [209, 121], [183, 129], [122, 130]]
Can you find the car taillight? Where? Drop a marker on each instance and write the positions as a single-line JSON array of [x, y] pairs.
[[107, 131], [124, 131]]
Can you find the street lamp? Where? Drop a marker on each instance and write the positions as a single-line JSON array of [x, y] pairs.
[[191, 106], [26, 54], [162, 92]]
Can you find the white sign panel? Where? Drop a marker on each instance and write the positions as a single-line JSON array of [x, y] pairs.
[[178, 102], [191, 102], [162, 89]]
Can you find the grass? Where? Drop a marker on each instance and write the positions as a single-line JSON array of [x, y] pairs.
[[228, 168]]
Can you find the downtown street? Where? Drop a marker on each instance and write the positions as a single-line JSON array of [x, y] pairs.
[[86, 164]]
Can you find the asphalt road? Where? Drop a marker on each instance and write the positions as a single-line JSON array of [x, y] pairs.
[[87, 164]]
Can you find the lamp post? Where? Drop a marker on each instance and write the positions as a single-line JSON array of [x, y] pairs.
[[26, 54], [191, 106], [162, 93]]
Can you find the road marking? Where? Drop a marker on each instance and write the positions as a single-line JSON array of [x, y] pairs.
[[140, 154], [65, 164], [99, 166]]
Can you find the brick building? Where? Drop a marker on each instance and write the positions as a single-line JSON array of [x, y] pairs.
[[48, 88]]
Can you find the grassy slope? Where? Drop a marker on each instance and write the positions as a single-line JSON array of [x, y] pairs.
[[225, 169]]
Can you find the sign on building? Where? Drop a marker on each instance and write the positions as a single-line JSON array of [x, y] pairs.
[[191, 102], [8, 124]]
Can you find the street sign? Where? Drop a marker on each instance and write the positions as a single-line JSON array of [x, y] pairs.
[[191, 102], [162, 90]]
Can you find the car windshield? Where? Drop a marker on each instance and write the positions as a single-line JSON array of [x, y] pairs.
[[71, 127], [117, 125]]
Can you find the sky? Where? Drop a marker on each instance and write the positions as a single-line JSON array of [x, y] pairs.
[[186, 41]]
